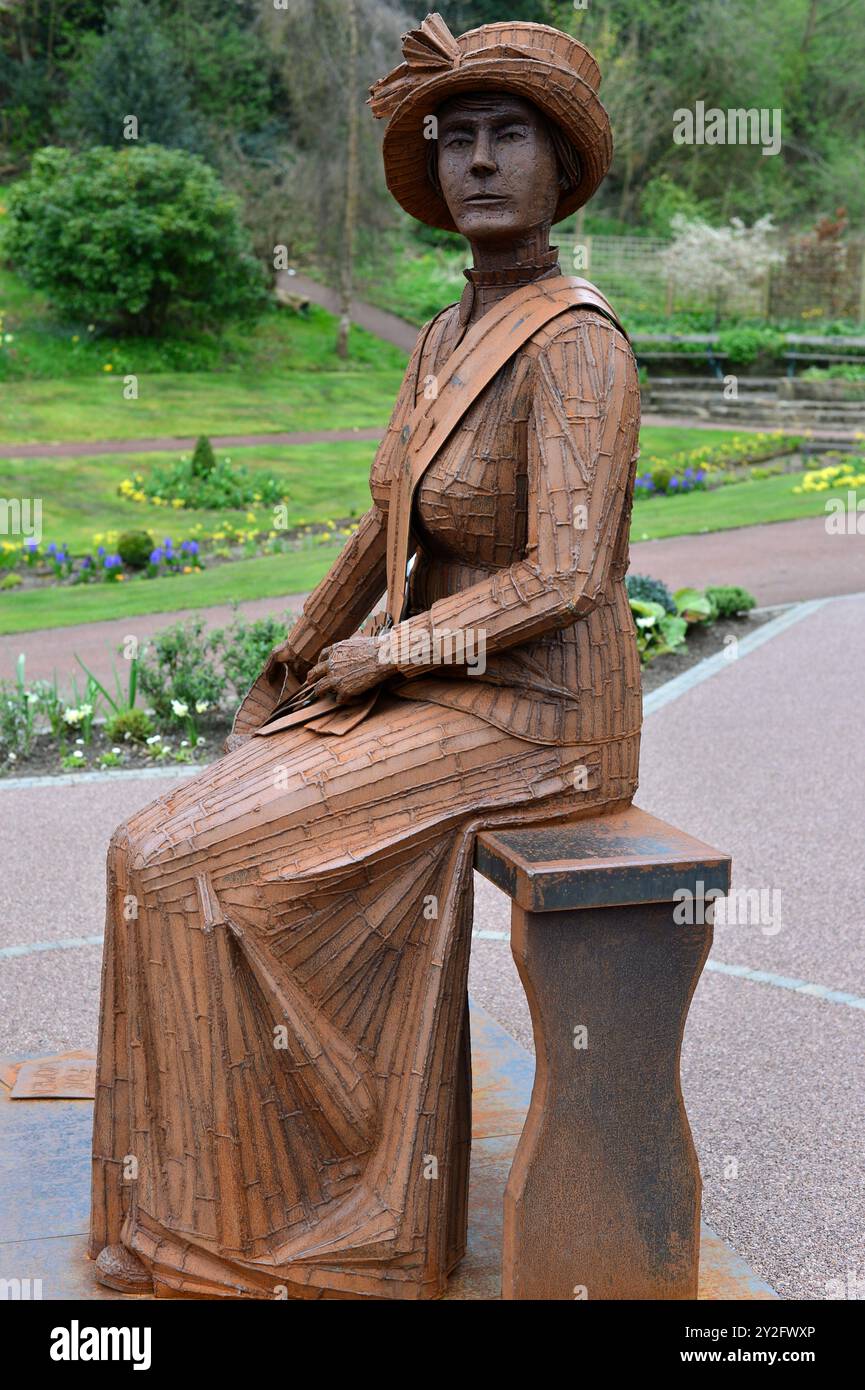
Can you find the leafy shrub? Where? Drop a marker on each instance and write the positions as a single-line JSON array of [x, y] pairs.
[[179, 665], [693, 606], [642, 586], [137, 238], [131, 725], [246, 646], [200, 484], [660, 476], [132, 67], [203, 458], [10, 581], [657, 631], [744, 344], [134, 548], [730, 601]]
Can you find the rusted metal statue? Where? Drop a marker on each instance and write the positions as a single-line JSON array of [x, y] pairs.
[[283, 1090]]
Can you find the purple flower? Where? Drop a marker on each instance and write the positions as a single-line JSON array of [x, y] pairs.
[[674, 482], [156, 556], [191, 547], [111, 562]]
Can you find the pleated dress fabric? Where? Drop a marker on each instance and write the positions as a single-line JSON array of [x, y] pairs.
[[283, 1088]]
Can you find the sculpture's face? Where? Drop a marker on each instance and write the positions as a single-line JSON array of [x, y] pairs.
[[496, 165]]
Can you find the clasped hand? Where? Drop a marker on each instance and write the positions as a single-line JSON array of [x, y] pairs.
[[349, 668]]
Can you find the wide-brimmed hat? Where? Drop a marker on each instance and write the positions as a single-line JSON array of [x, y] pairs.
[[534, 61]]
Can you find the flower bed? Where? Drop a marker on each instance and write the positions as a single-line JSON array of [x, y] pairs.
[[174, 702], [35, 566], [711, 466]]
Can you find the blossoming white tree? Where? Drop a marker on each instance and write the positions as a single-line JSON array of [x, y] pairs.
[[716, 263]]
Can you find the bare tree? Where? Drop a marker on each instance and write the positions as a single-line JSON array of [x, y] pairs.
[[330, 52]]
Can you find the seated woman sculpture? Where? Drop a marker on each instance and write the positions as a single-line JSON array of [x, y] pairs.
[[283, 1089]]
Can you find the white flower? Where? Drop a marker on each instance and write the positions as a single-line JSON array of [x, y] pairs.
[[199, 741], [81, 741], [184, 743], [78, 753], [201, 706], [180, 709], [72, 716], [115, 750], [154, 738], [85, 710], [13, 758], [32, 697]]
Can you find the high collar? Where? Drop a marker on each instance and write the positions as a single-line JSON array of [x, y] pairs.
[[514, 274], [488, 286]]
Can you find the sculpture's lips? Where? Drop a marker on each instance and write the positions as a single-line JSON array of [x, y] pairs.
[[485, 198]]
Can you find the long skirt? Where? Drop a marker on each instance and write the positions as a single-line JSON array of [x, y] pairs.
[[283, 1089]]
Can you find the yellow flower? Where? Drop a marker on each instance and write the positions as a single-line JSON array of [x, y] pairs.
[[108, 367], [177, 503], [187, 569], [75, 338]]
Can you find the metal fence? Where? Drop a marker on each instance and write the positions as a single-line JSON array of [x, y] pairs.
[[822, 283]]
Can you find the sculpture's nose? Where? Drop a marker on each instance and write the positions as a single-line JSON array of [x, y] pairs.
[[483, 157]]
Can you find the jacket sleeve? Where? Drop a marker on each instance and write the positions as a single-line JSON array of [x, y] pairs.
[[582, 446]]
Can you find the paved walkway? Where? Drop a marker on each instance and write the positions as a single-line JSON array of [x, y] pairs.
[[376, 321], [51, 651], [175, 443], [762, 759], [784, 562]]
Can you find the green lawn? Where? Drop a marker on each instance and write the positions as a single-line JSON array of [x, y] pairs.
[[270, 576], [193, 403], [740, 504], [324, 482]]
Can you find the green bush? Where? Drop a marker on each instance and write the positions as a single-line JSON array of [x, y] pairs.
[[131, 726], [642, 586], [135, 548], [246, 646], [730, 601], [132, 67], [202, 485], [744, 344], [657, 631], [661, 476], [138, 239], [179, 663], [203, 459], [694, 607]]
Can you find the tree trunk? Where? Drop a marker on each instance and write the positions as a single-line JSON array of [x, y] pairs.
[[351, 179]]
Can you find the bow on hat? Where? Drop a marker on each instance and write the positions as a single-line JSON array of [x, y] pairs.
[[426, 50]]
